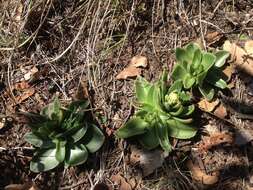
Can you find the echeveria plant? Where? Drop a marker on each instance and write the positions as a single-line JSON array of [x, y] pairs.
[[162, 112], [62, 135], [197, 68]]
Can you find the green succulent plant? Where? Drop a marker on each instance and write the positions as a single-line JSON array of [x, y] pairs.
[[62, 136], [197, 68], [162, 112]]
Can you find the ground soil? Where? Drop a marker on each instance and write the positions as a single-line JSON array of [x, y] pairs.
[[79, 47]]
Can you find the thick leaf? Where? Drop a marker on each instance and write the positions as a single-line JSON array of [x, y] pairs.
[[76, 155], [135, 126], [215, 77], [191, 49], [83, 104], [60, 150], [147, 107], [162, 133], [149, 140], [196, 60], [208, 60], [44, 160], [177, 112], [53, 111], [163, 84], [154, 97], [182, 56], [178, 72], [93, 139], [44, 128], [79, 134], [141, 89], [221, 57], [207, 91], [33, 139], [75, 132], [176, 86], [183, 120], [37, 141], [220, 83], [184, 97], [180, 130], [188, 81], [188, 110], [200, 78]]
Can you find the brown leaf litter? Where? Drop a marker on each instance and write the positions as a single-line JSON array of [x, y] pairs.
[[214, 107], [133, 69], [25, 186], [201, 176], [242, 58], [123, 183], [214, 139]]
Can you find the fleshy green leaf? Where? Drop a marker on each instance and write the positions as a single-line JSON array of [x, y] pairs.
[[180, 130], [60, 150], [79, 134], [188, 81], [153, 98], [53, 111], [183, 120], [44, 128], [33, 139], [215, 77], [207, 92], [221, 84], [191, 49], [178, 72], [208, 60], [196, 60], [93, 139], [178, 111], [188, 110], [74, 132], [149, 140], [182, 55], [176, 86], [221, 57], [83, 104], [200, 78], [37, 141], [163, 83], [135, 126], [184, 97], [162, 133], [76, 155], [141, 89], [44, 160]]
